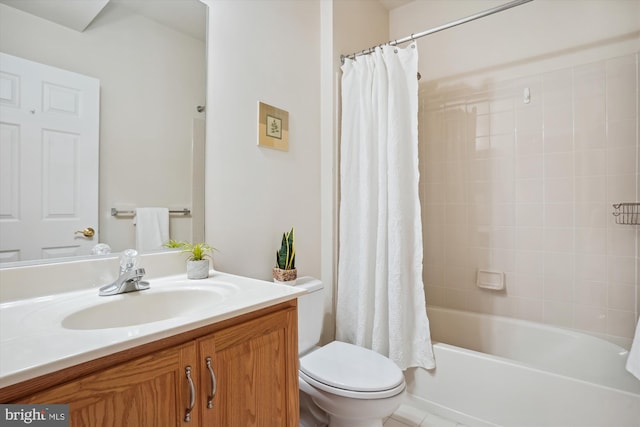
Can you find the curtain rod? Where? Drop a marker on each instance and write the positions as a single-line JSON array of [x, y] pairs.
[[440, 28]]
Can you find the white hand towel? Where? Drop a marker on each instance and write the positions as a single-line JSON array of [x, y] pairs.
[[152, 228], [633, 361]]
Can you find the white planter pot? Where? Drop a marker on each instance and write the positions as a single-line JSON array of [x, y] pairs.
[[285, 277], [198, 269]]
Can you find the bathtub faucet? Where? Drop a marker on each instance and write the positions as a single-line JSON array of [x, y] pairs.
[[129, 277]]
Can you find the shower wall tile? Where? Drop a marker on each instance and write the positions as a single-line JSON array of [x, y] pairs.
[[621, 77], [558, 313], [529, 214], [620, 242], [591, 136], [527, 287], [621, 269], [590, 318], [621, 297], [559, 215], [621, 133], [591, 268], [621, 161], [529, 142], [559, 190], [529, 309], [527, 188], [529, 166], [558, 165], [590, 162], [591, 241], [591, 214], [529, 238], [529, 191], [530, 264], [557, 140], [621, 188], [558, 239], [529, 118], [502, 122], [589, 81], [558, 289], [591, 294], [590, 189], [621, 323]]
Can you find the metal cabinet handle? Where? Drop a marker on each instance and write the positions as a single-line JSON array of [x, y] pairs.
[[214, 384], [192, 395]]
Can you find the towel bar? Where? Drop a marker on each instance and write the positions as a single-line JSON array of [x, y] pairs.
[[185, 212]]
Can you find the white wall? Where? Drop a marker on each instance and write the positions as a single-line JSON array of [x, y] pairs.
[[528, 39], [269, 52], [527, 188], [145, 145], [287, 54], [358, 25]]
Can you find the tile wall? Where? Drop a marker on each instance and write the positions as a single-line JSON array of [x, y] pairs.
[[526, 187]]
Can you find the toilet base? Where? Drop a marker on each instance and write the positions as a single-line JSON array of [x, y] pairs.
[[347, 412], [310, 414]]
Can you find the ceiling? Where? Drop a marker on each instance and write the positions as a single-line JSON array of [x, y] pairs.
[[75, 14], [392, 4], [182, 15], [185, 16]]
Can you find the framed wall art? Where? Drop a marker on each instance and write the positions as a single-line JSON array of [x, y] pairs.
[[273, 127]]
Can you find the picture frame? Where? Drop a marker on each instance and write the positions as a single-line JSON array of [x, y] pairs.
[[273, 127]]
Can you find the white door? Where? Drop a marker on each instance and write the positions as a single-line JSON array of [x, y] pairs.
[[49, 133]]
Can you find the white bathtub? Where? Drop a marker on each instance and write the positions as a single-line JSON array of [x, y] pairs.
[[493, 370]]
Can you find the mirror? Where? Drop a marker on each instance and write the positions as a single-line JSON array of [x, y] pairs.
[[150, 59]]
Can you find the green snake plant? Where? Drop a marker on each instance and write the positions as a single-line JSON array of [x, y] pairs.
[[286, 255]]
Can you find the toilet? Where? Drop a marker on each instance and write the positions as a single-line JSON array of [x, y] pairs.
[[341, 384]]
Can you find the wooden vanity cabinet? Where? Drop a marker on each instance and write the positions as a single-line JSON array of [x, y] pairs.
[[244, 373], [252, 370], [148, 391]]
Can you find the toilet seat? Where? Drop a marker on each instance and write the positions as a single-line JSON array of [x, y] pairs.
[[351, 371]]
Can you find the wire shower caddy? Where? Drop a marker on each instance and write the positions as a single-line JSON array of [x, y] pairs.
[[627, 213]]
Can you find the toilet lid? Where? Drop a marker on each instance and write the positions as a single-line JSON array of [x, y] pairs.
[[349, 367]]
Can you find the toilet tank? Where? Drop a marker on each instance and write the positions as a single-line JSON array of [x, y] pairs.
[[310, 313]]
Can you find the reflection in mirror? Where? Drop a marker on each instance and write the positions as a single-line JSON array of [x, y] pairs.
[[149, 59]]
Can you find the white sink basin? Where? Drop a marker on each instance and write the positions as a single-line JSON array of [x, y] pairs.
[[136, 308], [79, 326]]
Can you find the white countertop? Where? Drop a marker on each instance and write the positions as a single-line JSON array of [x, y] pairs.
[[34, 341]]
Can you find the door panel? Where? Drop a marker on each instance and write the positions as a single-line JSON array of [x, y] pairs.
[[251, 373], [149, 391], [49, 135]]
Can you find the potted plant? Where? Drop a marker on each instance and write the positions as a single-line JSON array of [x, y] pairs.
[[198, 261], [285, 270], [173, 244]]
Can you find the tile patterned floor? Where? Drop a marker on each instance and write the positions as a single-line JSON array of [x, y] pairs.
[[409, 416]]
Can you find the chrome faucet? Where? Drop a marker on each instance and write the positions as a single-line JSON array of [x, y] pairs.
[[129, 278]]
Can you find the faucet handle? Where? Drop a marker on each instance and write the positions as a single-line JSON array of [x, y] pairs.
[[128, 260]]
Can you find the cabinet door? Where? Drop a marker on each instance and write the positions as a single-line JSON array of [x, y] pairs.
[[152, 390], [256, 371]]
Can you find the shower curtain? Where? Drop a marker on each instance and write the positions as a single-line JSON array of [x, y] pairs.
[[380, 302]]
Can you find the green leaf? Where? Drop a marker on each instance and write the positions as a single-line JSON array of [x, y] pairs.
[[198, 251], [285, 256], [174, 244]]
